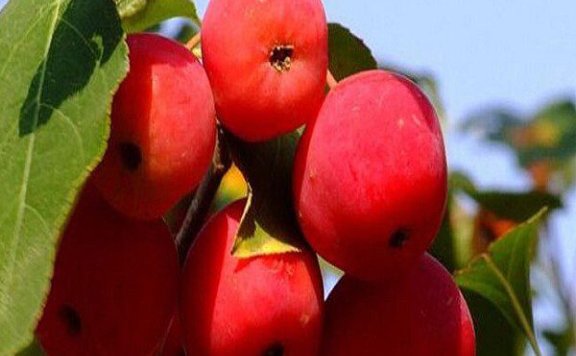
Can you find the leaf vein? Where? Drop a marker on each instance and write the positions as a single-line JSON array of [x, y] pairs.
[[11, 260], [514, 300]]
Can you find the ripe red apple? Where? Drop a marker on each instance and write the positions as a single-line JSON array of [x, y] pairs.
[[174, 343], [370, 176], [266, 305], [115, 284], [267, 63], [163, 129], [422, 314]]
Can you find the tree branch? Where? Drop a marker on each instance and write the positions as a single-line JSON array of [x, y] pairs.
[[200, 205]]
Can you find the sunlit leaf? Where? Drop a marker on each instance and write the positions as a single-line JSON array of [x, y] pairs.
[[269, 224], [146, 13], [501, 276], [60, 63]]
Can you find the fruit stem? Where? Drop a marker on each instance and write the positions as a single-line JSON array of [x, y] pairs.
[[194, 41], [200, 205], [330, 80]]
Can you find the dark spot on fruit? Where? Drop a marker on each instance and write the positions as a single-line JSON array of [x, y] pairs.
[[399, 238], [281, 57], [131, 155], [276, 349], [71, 319]]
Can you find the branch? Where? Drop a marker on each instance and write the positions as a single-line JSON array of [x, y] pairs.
[[200, 205]]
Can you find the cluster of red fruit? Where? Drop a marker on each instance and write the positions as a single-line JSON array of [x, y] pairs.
[[369, 192]]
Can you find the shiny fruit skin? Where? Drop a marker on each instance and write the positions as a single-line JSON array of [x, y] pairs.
[[265, 305], [115, 284], [423, 314], [174, 343], [163, 130], [370, 178], [244, 43]]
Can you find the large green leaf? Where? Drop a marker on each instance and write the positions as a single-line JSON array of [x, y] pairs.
[[348, 53], [34, 349], [138, 15], [501, 276], [61, 62], [269, 223], [494, 335]]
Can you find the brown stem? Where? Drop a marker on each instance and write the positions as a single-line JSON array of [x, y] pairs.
[[200, 205], [194, 41], [330, 80]]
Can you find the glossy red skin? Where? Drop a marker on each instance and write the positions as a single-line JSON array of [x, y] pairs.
[[253, 99], [165, 106], [246, 307], [121, 279], [372, 164], [174, 343], [423, 314]]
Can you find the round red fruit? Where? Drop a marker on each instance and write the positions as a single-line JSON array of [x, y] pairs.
[[370, 176], [163, 129], [265, 305], [423, 314], [267, 63], [114, 288]]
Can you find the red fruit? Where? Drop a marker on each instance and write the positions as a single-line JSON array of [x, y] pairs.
[[174, 344], [267, 63], [424, 314], [163, 129], [266, 305], [370, 176], [115, 282]]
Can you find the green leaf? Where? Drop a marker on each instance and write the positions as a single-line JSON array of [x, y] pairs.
[[185, 33], [269, 224], [348, 53], [494, 335], [516, 206], [552, 133], [492, 124], [61, 62], [501, 276], [34, 349], [561, 340], [443, 248], [151, 12], [548, 135], [127, 8]]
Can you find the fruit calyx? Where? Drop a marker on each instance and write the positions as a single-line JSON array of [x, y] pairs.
[[281, 57]]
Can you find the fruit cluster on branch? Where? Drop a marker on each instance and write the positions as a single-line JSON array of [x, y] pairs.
[[369, 187]]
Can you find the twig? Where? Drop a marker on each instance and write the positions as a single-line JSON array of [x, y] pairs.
[[194, 41], [330, 80], [200, 205]]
